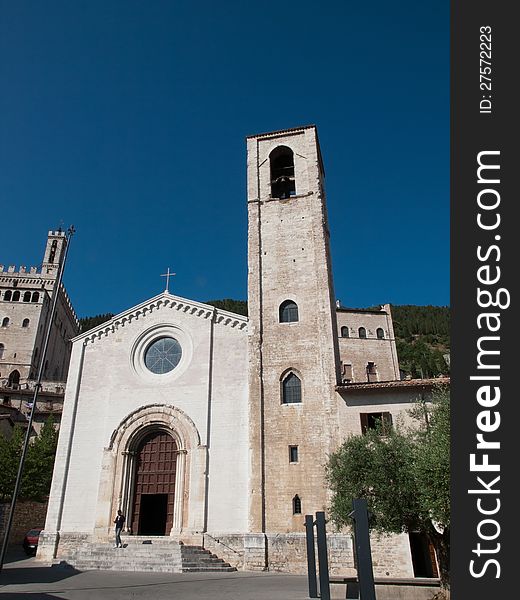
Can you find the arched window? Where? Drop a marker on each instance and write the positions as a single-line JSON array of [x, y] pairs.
[[362, 333], [25, 323], [291, 389], [296, 505], [283, 184], [288, 312], [14, 379], [344, 332], [27, 297], [8, 295], [5, 322], [35, 297], [380, 333], [52, 254], [16, 296], [2, 349]]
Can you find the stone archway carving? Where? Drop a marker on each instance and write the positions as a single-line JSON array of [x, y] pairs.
[[118, 469]]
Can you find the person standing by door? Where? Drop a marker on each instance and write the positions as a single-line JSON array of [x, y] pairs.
[[119, 521]]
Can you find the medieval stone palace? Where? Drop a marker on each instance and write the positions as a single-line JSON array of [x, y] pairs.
[[212, 429]]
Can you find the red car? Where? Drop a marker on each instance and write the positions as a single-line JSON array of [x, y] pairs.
[[30, 541]]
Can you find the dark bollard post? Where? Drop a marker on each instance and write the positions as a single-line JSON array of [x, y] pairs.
[[363, 554], [311, 557], [323, 560]]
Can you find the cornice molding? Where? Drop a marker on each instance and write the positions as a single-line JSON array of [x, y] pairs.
[[162, 301]]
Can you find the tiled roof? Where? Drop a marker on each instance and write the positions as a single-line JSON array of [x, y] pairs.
[[290, 130], [374, 311], [398, 384]]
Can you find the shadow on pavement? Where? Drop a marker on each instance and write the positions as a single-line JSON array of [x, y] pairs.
[[39, 574], [35, 596]]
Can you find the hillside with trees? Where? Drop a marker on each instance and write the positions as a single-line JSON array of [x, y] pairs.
[[86, 323], [423, 339], [422, 335], [235, 306]]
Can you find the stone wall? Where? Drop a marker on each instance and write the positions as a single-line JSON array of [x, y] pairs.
[[391, 556], [287, 553], [28, 514], [358, 352]]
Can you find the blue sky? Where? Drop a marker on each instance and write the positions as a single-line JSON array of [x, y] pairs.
[[128, 119]]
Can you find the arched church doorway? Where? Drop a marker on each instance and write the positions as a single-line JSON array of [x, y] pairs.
[[154, 484]]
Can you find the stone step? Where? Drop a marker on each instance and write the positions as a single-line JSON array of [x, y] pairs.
[[165, 556], [227, 569]]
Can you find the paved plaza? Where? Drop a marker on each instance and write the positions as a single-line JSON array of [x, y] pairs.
[[25, 578]]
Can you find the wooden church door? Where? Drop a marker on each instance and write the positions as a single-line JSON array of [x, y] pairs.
[[156, 463]]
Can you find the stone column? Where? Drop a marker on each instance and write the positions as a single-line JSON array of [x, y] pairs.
[[126, 498], [178, 503]]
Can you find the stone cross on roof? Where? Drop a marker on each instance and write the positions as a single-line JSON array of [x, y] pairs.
[[168, 275]]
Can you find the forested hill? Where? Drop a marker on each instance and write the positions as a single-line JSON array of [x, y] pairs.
[[412, 320], [235, 306], [422, 334], [86, 323]]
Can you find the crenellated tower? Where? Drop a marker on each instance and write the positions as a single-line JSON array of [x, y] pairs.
[[293, 345], [54, 250], [25, 306]]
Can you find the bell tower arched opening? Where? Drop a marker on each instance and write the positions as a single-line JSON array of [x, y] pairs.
[[282, 173]]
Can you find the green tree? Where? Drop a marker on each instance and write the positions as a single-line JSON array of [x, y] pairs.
[[404, 475], [39, 463], [238, 307], [86, 323], [10, 452]]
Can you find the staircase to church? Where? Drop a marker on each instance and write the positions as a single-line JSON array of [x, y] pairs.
[[143, 554]]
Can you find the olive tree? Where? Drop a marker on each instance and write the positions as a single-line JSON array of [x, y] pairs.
[[404, 474]]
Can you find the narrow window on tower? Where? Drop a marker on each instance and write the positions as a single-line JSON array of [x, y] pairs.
[[8, 295], [293, 454], [346, 373], [288, 312], [362, 333], [16, 296], [291, 389], [371, 372], [35, 297], [52, 254], [380, 333], [283, 184], [25, 323], [27, 297], [296, 505], [344, 332]]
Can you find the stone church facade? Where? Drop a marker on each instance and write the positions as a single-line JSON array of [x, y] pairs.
[[211, 428]]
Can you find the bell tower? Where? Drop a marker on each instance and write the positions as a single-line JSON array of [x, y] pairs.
[[56, 242], [293, 345]]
